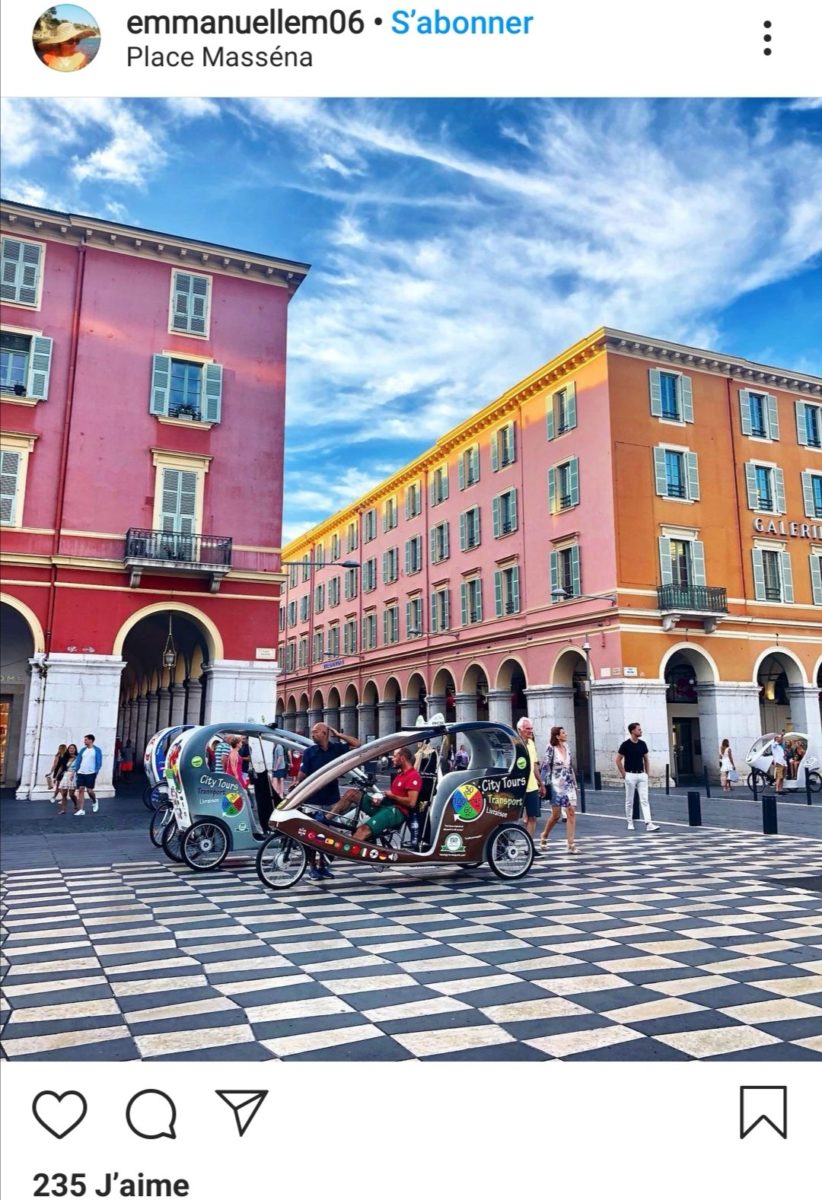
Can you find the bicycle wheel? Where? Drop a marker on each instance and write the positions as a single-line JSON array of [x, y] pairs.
[[510, 851], [159, 819], [170, 843], [281, 861], [204, 845]]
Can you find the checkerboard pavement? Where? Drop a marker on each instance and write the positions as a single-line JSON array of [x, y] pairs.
[[680, 946]]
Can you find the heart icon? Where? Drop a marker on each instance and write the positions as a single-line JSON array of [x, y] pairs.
[[59, 1114]]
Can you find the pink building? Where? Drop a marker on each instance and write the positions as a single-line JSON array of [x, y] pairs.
[[143, 391]]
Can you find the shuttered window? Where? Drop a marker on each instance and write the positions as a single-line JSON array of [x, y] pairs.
[[190, 301], [413, 555], [506, 591], [22, 264], [773, 576], [390, 514], [758, 414], [10, 469], [470, 535], [178, 512], [186, 390], [439, 542], [561, 411], [815, 561], [812, 494], [413, 500], [350, 636], [504, 513], [808, 424], [765, 487], [671, 395], [565, 574], [369, 525], [391, 565], [504, 447], [369, 631], [471, 601], [440, 610], [25, 365], [413, 617], [469, 467], [439, 486]]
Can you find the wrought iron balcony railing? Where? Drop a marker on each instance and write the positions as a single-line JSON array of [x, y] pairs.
[[186, 553], [673, 598]]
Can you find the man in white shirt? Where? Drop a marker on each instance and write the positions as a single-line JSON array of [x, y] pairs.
[[779, 763], [86, 765]]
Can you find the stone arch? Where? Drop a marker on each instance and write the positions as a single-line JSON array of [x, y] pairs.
[[442, 698], [291, 706], [472, 698], [415, 689], [351, 695], [333, 698], [796, 673], [506, 672], [211, 633], [391, 689], [567, 667], [705, 668], [30, 617], [370, 693], [317, 701]]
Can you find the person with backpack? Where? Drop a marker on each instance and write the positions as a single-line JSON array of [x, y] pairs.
[[558, 777]]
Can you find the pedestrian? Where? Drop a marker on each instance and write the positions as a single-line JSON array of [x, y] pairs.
[[68, 780], [58, 766], [127, 758], [779, 762], [233, 762], [87, 764], [632, 764], [279, 770], [245, 755], [726, 765], [560, 781], [328, 745], [461, 759], [535, 788]]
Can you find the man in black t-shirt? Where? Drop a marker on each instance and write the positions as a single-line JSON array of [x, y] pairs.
[[324, 751], [632, 764]]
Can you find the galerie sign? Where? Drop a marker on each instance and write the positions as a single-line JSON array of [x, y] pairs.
[[799, 529]]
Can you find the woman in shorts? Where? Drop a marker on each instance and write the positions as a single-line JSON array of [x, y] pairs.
[[68, 781]]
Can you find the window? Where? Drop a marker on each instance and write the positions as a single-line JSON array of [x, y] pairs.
[[808, 424], [390, 515], [304, 608], [504, 510], [333, 641], [334, 592], [471, 601], [318, 556], [766, 487], [439, 542], [758, 414], [293, 574], [350, 636], [681, 561], [351, 584], [190, 295], [334, 549], [561, 411], [773, 576], [440, 610], [812, 494], [563, 486], [178, 502], [470, 528], [391, 625], [305, 562], [369, 631], [504, 447], [469, 467], [292, 612], [413, 555], [676, 473], [390, 565], [671, 396], [815, 561], [25, 365], [439, 485], [565, 574], [369, 575], [369, 525], [184, 389], [413, 617], [317, 654], [351, 537], [413, 500], [319, 597], [302, 657], [290, 656], [281, 618], [506, 591], [14, 461], [22, 272]]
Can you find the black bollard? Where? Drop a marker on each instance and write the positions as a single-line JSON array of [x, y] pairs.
[[597, 781], [808, 799], [769, 824], [667, 779], [707, 785], [635, 809], [581, 782], [694, 808], [754, 784]]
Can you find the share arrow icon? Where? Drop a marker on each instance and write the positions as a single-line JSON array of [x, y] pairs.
[[244, 1105]]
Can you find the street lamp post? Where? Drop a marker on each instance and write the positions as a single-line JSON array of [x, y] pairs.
[[586, 650]]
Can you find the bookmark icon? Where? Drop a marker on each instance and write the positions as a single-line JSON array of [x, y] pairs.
[[244, 1105], [758, 1105]]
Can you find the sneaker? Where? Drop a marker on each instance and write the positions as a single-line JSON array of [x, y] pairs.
[[95, 804], [325, 873], [651, 828], [315, 874], [631, 825], [81, 812]]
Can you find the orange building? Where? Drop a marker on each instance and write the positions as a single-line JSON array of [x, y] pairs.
[[637, 517]]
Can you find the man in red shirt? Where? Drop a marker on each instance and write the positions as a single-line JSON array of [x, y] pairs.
[[392, 808]]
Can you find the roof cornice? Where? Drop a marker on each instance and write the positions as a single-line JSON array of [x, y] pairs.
[[23, 220]]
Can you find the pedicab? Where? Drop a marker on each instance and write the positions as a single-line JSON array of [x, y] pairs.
[[802, 765], [154, 758], [467, 817]]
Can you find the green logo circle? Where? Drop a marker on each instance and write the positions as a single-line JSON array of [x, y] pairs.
[[522, 763], [196, 761]]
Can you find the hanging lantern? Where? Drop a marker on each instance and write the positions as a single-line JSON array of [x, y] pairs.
[[169, 650]]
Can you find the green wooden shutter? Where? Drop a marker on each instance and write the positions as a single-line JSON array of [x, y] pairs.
[[801, 427], [495, 451], [660, 474], [750, 484], [573, 480], [511, 442], [550, 419], [745, 411], [463, 531], [495, 508], [686, 395], [779, 489], [773, 418], [20, 271], [464, 602], [698, 564], [37, 384], [385, 566], [693, 475], [179, 501], [408, 557], [432, 544], [433, 622], [758, 574], [576, 574], [554, 573], [446, 609], [498, 599], [10, 463], [513, 508], [446, 550], [190, 303], [444, 484], [787, 578], [552, 489], [433, 498], [409, 624], [515, 589], [571, 405], [807, 494], [475, 463], [213, 391], [409, 506], [160, 385], [461, 472], [815, 561], [478, 591], [666, 567], [655, 384], [385, 625]]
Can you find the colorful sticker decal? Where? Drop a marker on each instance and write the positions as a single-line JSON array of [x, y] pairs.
[[468, 802], [197, 760], [242, 827], [232, 804], [453, 844], [522, 763]]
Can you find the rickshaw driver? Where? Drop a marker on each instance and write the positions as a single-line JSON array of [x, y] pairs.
[[322, 752], [402, 798]]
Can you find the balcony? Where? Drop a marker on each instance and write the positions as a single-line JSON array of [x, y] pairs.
[[160, 551], [709, 604]]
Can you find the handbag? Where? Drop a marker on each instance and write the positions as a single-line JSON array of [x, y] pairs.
[[733, 775]]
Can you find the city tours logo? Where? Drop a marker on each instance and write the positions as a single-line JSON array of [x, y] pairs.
[[468, 802], [66, 37]]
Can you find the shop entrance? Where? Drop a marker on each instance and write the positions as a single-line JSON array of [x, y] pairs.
[[686, 748]]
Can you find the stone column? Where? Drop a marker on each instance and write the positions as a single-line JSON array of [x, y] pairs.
[[435, 705], [386, 717], [177, 706], [194, 699], [131, 722], [153, 721], [77, 694], [290, 721], [121, 722], [332, 718], [499, 705], [237, 689], [549, 706], [367, 721], [726, 710], [409, 711], [348, 719], [616, 703], [141, 737], [805, 715], [466, 703], [314, 715]]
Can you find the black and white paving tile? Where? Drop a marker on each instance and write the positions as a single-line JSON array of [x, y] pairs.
[[690, 946]]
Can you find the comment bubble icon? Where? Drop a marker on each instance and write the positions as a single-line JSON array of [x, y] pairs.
[[151, 1114]]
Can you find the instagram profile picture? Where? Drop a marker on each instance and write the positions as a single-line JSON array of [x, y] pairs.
[[66, 37]]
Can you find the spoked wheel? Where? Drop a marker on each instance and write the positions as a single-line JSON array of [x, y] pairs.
[[281, 861], [815, 781], [390, 840], [510, 851], [170, 842], [759, 777], [159, 819], [204, 845]]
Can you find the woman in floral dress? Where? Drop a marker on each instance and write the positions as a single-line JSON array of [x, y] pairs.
[[558, 776]]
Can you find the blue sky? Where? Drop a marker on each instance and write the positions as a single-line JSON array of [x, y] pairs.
[[457, 245]]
